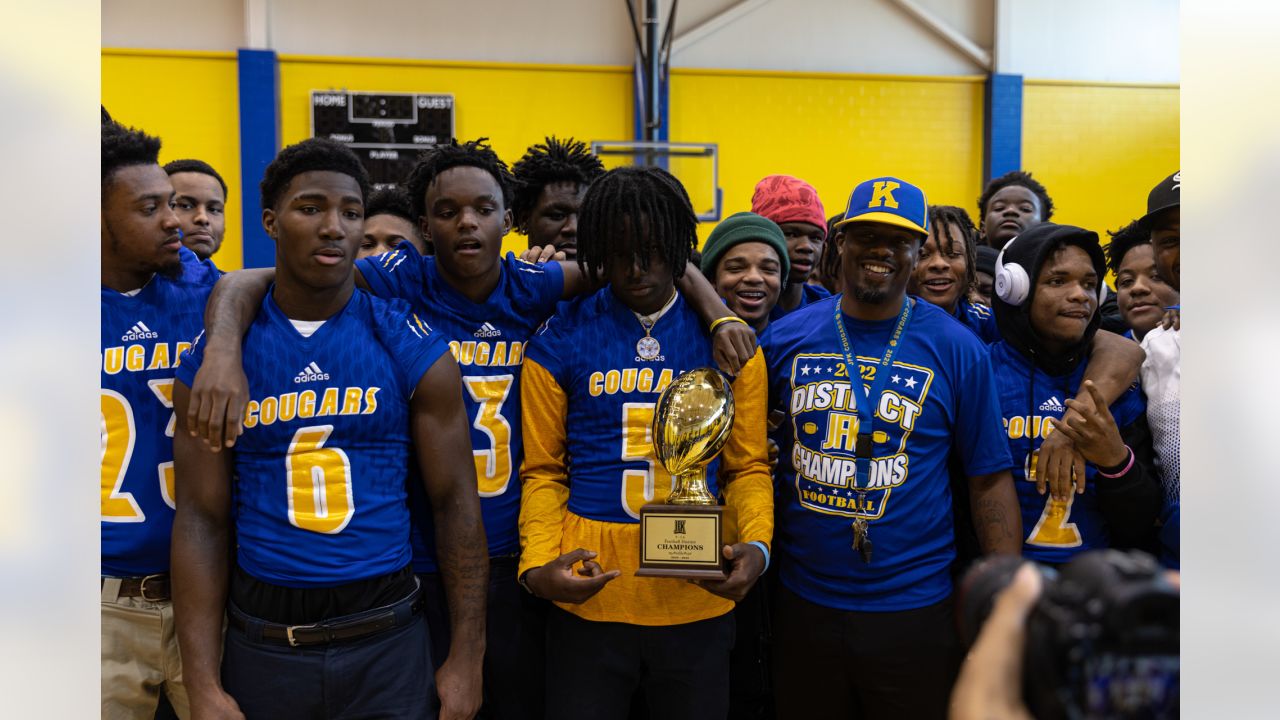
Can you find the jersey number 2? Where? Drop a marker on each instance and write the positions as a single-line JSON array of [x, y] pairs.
[[1054, 528]]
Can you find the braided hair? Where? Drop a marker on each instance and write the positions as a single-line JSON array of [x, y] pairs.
[[550, 162], [943, 217], [829, 265], [636, 212], [1016, 177], [473, 153]]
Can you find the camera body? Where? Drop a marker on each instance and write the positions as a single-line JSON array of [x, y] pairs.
[[1102, 640]]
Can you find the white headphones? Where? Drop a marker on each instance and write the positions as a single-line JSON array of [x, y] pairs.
[[1013, 285]]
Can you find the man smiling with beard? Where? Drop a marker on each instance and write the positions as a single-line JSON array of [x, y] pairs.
[[884, 623]]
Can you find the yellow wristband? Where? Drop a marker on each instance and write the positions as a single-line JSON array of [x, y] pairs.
[[726, 319]]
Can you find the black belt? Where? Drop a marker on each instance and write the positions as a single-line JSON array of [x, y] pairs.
[[152, 588], [349, 627]]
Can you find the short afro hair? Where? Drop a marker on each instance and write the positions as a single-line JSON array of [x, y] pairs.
[[1015, 177], [196, 166], [124, 147], [1123, 240], [550, 162], [392, 200], [473, 153], [310, 155]]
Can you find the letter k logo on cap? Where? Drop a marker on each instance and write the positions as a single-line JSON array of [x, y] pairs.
[[882, 194]]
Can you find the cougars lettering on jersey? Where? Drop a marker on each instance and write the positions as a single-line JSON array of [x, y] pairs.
[[590, 467], [321, 468], [939, 398], [1031, 401], [143, 336], [488, 340]]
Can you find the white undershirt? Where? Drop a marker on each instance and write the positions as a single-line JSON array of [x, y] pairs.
[[306, 328]]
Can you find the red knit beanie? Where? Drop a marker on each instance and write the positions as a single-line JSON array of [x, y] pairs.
[[785, 199]]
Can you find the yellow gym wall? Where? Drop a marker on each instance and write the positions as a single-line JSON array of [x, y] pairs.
[[515, 106], [1099, 148], [190, 100], [833, 131]]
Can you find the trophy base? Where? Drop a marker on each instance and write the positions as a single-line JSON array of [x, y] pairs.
[[682, 541]]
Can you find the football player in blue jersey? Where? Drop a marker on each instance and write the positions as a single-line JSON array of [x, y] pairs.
[[153, 290], [200, 203], [862, 633], [1047, 319], [1142, 295], [592, 376], [488, 307], [323, 609], [551, 179]]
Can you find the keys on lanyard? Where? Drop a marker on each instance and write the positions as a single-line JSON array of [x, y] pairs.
[[866, 420]]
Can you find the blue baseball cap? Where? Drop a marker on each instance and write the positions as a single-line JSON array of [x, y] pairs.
[[888, 200]]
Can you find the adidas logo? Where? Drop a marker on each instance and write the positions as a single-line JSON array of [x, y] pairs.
[[1052, 405], [311, 373], [139, 331], [487, 330]]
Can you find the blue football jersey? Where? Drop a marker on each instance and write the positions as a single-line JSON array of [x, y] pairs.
[[142, 338], [589, 347], [939, 399], [321, 468], [980, 319], [488, 341], [1053, 531]]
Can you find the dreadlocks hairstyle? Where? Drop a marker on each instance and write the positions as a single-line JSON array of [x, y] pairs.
[[106, 116], [196, 166], [943, 217], [829, 264], [1016, 177], [1122, 241], [124, 147], [546, 163], [393, 200], [432, 162], [636, 212], [311, 155]]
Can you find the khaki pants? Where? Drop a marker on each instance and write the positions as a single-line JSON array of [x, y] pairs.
[[139, 657]]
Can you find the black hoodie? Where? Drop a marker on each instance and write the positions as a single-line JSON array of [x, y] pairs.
[[1032, 249]]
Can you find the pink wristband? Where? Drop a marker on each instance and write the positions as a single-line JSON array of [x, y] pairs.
[[1127, 466]]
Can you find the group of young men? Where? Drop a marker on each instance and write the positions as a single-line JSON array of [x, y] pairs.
[[400, 475]]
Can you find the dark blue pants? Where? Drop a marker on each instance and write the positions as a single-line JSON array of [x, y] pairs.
[[384, 675], [514, 656], [594, 668]]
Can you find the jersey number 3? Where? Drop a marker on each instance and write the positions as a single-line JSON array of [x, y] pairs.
[[493, 467]]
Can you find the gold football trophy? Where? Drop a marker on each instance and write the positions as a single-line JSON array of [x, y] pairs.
[[682, 537]]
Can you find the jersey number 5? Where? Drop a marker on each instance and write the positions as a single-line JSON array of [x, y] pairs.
[[639, 487]]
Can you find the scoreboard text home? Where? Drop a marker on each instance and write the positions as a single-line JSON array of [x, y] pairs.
[[386, 130]]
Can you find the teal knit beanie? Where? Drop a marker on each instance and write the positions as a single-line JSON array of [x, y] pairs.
[[739, 228]]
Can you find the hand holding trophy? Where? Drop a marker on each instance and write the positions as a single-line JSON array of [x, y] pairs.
[[683, 536]]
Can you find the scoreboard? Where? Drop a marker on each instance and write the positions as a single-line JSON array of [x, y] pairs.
[[386, 130]]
